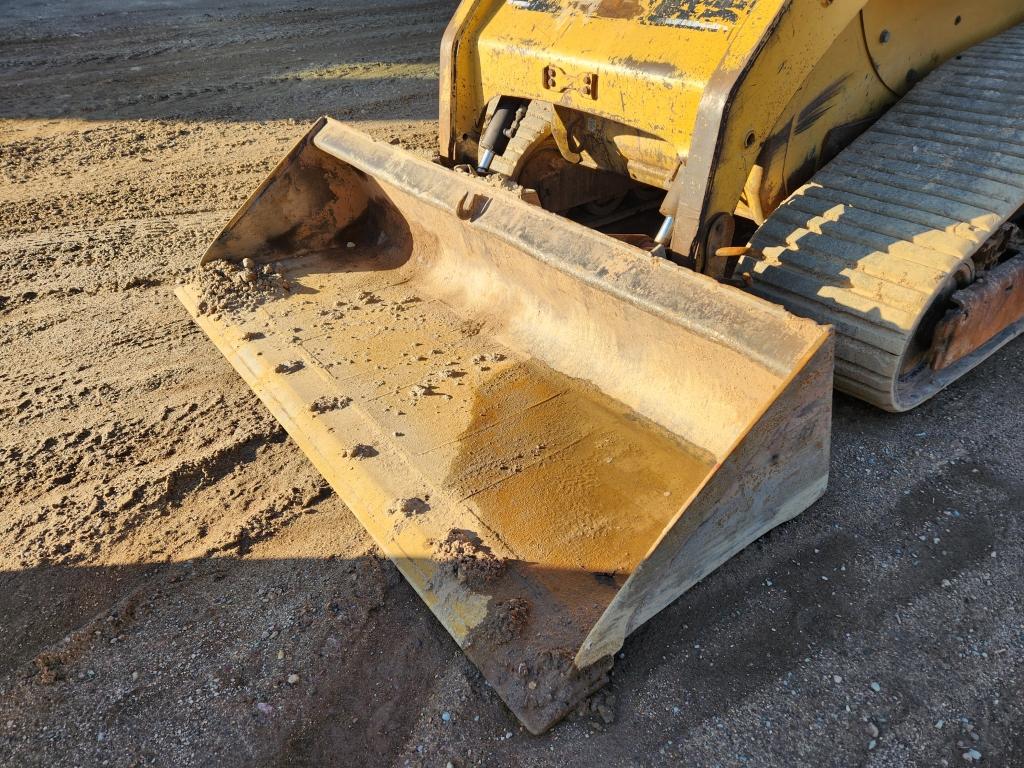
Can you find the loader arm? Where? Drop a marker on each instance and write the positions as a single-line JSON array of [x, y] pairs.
[[697, 95]]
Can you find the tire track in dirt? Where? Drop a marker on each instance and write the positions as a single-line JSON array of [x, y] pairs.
[[153, 517]]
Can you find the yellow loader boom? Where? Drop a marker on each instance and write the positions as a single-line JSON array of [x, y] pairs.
[[555, 408], [692, 95]]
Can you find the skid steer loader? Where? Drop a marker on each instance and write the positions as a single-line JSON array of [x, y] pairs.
[[565, 372]]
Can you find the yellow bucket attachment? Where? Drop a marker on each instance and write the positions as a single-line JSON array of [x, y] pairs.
[[552, 434]]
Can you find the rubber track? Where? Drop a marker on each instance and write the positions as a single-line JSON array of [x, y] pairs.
[[536, 125], [876, 236]]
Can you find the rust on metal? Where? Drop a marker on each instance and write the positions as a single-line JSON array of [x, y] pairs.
[[981, 312]]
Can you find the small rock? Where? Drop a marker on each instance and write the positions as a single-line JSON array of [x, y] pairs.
[[939, 724], [264, 708], [249, 276], [876, 687], [289, 367], [972, 756], [248, 264], [410, 507], [872, 730], [837, 679], [872, 744], [362, 451], [446, 716], [293, 679], [350, 244]]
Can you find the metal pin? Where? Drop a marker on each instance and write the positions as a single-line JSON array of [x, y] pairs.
[[485, 161], [664, 235]]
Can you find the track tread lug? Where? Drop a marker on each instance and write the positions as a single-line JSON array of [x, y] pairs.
[[874, 238]]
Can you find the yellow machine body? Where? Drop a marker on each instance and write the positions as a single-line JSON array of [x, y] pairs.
[[733, 103]]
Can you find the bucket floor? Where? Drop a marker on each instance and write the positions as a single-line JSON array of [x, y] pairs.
[[478, 469]]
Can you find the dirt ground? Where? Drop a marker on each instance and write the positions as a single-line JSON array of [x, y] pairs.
[[179, 587]]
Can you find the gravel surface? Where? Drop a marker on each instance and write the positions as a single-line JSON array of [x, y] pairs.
[[179, 587]]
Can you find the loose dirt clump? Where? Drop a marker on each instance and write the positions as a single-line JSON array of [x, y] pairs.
[[362, 451], [468, 559], [290, 367], [410, 507], [326, 404], [418, 391], [504, 622], [226, 286], [547, 683], [601, 704]]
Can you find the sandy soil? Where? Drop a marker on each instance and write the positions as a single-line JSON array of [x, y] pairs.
[[179, 587]]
